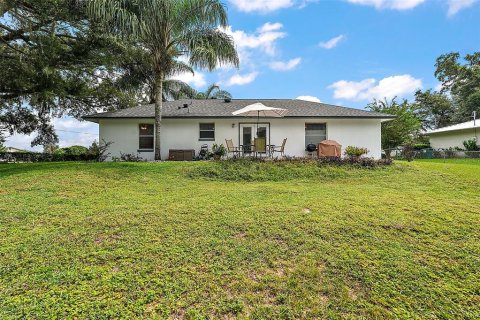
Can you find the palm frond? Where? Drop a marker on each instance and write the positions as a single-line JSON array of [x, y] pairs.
[[119, 16], [176, 89], [222, 94], [191, 14], [209, 48], [179, 67], [211, 89]]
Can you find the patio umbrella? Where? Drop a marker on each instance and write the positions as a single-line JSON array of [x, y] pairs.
[[259, 109]]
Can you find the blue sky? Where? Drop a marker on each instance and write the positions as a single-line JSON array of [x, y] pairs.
[[343, 52]]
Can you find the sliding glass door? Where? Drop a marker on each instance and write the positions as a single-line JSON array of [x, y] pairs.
[[253, 137]]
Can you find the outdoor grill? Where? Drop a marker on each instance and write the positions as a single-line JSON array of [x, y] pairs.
[[311, 147]]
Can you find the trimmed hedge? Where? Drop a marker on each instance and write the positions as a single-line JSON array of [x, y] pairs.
[[46, 157]]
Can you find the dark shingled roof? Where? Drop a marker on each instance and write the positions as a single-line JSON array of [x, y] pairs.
[[220, 109]]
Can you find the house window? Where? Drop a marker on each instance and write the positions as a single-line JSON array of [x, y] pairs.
[[207, 131], [145, 136], [315, 133]]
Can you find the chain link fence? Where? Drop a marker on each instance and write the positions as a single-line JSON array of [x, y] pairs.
[[429, 153]]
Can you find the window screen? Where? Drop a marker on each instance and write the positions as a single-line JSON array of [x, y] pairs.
[[315, 133], [207, 131], [145, 138]]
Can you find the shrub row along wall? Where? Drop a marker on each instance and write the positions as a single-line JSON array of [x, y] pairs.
[[45, 157], [286, 169]]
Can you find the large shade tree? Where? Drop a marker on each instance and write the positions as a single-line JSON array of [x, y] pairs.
[[2, 147], [169, 30], [461, 79], [435, 109], [55, 62], [400, 130]]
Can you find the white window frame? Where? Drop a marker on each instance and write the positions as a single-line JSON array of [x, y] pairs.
[[200, 131], [146, 136], [313, 123]]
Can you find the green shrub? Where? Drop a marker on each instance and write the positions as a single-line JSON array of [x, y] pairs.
[[75, 150], [130, 157], [421, 146], [59, 152], [218, 150], [471, 145], [280, 170], [352, 151]]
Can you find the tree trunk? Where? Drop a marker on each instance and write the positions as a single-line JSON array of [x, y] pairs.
[[158, 114], [388, 153]]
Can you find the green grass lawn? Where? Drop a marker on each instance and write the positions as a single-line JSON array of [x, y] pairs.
[[152, 240]]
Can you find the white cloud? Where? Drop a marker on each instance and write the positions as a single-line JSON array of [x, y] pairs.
[[304, 3], [78, 140], [69, 130], [351, 90], [367, 89], [332, 43], [285, 65], [241, 80], [68, 123], [263, 6], [255, 50], [197, 80], [264, 37], [389, 4], [270, 27], [21, 141], [454, 6], [308, 98]]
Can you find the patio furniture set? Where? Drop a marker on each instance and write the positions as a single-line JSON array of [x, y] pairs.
[[258, 149]]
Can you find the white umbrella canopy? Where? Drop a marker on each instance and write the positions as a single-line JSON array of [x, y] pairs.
[[259, 109]]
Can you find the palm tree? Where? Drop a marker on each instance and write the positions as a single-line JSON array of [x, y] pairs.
[[213, 92], [137, 74], [168, 30]]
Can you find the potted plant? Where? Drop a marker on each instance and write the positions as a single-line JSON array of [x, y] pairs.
[[355, 152], [218, 151]]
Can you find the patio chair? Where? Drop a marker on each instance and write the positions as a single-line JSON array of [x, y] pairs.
[[279, 149], [203, 153], [260, 145], [231, 149]]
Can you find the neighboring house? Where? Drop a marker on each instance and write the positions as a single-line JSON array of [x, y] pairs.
[[14, 150], [453, 136], [188, 124]]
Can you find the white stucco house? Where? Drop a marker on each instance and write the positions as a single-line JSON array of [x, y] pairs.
[[453, 136], [189, 124]]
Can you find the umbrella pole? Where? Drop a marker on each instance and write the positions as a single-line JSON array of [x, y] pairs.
[[258, 121], [256, 131]]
